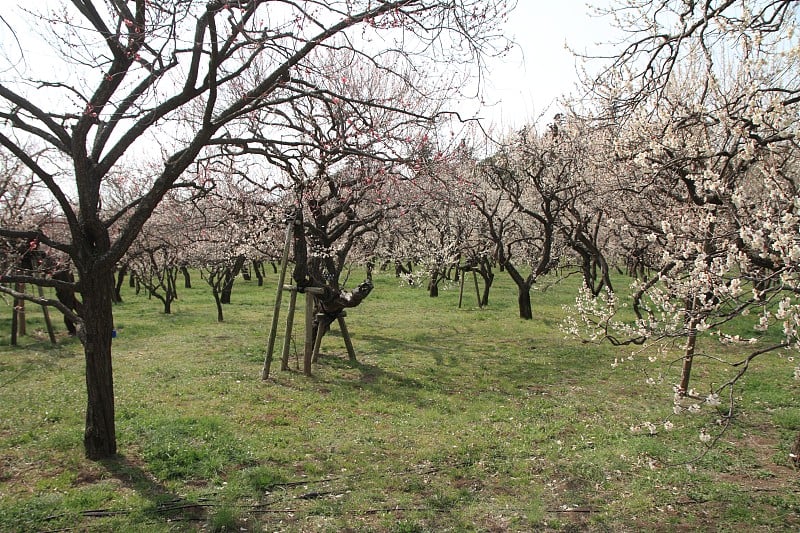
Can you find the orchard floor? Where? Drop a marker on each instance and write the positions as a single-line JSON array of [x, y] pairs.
[[452, 419]]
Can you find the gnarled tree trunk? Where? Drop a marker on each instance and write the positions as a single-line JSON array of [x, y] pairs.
[[523, 292], [97, 287]]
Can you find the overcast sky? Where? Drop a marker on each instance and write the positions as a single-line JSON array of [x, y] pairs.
[[522, 87], [527, 81]]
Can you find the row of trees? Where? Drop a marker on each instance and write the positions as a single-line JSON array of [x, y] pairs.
[[164, 90], [678, 167]]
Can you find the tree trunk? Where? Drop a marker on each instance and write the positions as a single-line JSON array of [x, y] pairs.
[[227, 289], [487, 285], [14, 322], [230, 277], [170, 289], [523, 291], [524, 300], [258, 268], [433, 284], [118, 286], [218, 302], [97, 289], [688, 357], [485, 270], [187, 279]]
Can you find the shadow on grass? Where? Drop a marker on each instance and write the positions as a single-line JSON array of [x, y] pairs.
[[391, 345], [380, 382], [165, 505]]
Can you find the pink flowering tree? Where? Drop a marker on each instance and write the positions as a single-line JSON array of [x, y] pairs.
[[122, 81], [230, 227], [23, 256], [343, 156]]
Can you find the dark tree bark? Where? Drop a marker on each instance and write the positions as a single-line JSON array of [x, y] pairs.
[[123, 270], [332, 303], [524, 285], [433, 284], [96, 286], [229, 277], [187, 278], [218, 303], [100, 434], [67, 297], [484, 269], [401, 269], [258, 270]]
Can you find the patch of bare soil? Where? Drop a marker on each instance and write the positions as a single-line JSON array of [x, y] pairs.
[[766, 475]]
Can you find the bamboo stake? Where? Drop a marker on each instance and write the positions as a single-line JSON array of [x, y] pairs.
[[351, 353], [477, 290]]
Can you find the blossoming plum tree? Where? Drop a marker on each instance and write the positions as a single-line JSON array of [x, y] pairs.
[[703, 103], [521, 191]]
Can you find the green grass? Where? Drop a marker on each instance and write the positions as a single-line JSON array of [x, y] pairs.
[[451, 420]]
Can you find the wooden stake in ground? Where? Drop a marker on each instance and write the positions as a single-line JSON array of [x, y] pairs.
[[48, 323], [273, 331]]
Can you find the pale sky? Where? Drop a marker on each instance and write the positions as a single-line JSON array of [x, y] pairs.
[[522, 87], [540, 69]]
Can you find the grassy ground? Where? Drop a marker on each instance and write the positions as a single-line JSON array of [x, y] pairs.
[[452, 420]]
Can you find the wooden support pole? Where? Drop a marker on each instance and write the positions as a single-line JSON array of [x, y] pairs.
[[351, 353], [276, 310], [48, 323], [461, 289], [318, 339], [287, 340], [477, 290]]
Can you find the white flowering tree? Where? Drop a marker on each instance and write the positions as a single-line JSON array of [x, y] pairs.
[[230, 226], [521, 192], [587, 220], [705, 122], [435, 227]]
